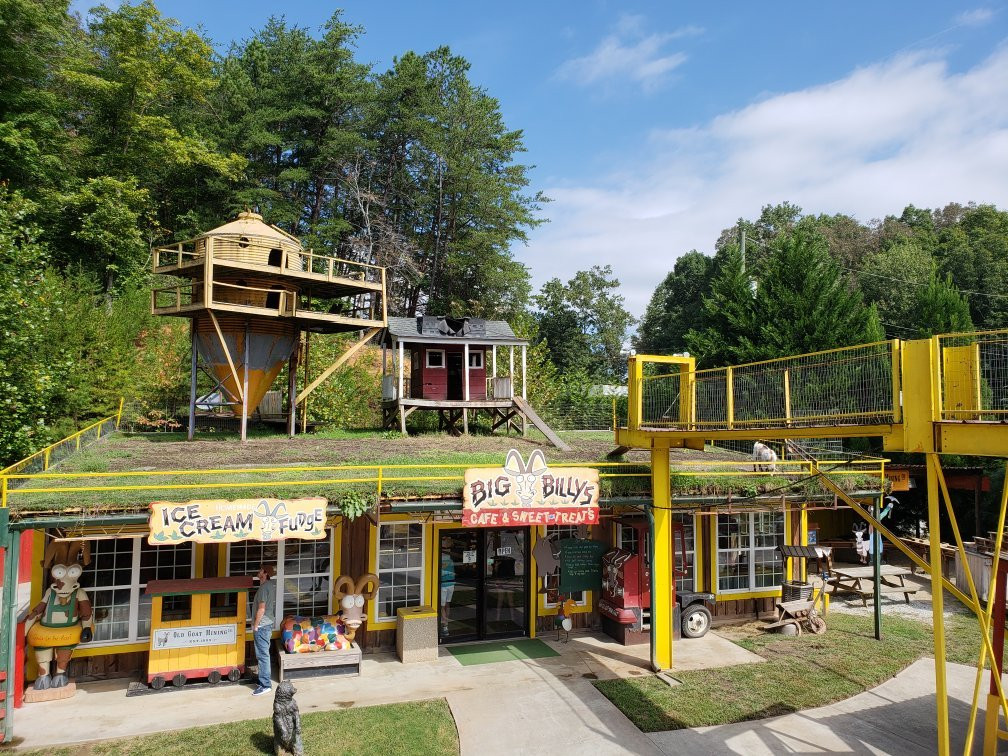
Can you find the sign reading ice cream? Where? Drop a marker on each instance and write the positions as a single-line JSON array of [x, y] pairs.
[[218, 521], [530, 493]]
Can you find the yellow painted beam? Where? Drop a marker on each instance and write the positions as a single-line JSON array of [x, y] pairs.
[[663, 576], [937, 596]]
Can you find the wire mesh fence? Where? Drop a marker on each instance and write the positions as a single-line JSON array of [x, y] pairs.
[[974, 376], [592, 413], [849, 386], [52, 455]]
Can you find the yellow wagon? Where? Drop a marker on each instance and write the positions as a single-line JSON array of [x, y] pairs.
[[197, 629]]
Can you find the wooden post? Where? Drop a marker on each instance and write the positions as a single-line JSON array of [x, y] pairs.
[[192, 380], [245, 407], [292, 391], [304, 408], [511, 373], [524, 383], [493, 354], [384, 359], [465, 374], [465, 421], [401, 380]]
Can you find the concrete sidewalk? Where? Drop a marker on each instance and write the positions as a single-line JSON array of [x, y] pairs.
[[522, 706], [897, 717]]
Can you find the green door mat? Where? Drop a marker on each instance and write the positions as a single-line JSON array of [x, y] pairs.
[[498, 651]]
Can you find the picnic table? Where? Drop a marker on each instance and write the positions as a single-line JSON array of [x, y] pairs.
[[861, 581]]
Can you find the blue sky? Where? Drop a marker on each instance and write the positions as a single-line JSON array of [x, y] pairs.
[[655, 125]]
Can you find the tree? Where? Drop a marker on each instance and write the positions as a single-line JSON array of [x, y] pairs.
[[675, 305], [939, 308], [891, 280], [727, 319], [584, 323], [974, 252]]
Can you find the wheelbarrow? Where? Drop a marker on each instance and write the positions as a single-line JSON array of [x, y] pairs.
[[792, 616]]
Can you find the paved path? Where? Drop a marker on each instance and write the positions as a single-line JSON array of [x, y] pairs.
[[897, 717], [527, 706]]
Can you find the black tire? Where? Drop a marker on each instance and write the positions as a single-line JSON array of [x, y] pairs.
[[179, 680], [214, 677], [157, 683], [696, 621], [234, 674]]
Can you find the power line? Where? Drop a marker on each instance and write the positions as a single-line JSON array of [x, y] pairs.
[[920, 283]]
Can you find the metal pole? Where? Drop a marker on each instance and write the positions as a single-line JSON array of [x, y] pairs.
[[245, 395], [877, 567], [8, 645], [937, 600], [192, 380]]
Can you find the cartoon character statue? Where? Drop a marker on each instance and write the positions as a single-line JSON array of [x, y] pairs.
[[63, 618], [351, 597]]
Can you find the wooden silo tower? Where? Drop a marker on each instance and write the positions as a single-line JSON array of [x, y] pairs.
[[250, 291]]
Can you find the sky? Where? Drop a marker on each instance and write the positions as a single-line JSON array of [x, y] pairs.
[[653, 126]]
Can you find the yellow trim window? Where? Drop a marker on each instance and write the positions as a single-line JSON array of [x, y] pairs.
[[401, 551], [115, 582], [303, 572], [747, 555], [558, 533]]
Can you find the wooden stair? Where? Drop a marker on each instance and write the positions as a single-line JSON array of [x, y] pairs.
[[533, 417]]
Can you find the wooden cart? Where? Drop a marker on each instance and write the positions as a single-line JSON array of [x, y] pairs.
[[197, 630]]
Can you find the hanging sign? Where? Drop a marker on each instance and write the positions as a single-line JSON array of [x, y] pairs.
[[189, 637], [530, 493], [217, 521], [900, 479]]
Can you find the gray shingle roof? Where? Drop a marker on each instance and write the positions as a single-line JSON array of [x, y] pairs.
[[414, 330]]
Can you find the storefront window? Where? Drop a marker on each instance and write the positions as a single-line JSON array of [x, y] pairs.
[[747, 555], [303, 573], [115, 582], [559, 533], [401, 556]]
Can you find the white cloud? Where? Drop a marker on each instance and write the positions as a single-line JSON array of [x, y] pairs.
[[628, 53], [975, 17], [899, 132]]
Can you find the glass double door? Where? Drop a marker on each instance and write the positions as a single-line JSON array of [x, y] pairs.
[[483, 584]]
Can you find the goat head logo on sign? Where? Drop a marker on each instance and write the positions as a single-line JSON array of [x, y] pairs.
[[525, 475], [269, 517]]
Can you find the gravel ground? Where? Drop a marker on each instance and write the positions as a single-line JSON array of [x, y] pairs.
[[918, 609]]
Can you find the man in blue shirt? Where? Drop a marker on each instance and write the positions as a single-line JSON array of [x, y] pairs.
[[263, 619]]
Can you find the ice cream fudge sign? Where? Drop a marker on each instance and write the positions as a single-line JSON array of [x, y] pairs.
[[239, 520], [188, 637], [529, 493]]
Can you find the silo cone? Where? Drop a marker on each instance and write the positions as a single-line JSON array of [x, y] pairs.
[[271, 343]]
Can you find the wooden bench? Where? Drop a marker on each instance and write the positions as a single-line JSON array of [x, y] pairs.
[[867, 590], [345, 662]]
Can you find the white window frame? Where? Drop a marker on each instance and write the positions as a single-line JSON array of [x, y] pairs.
[[281, 576], [427, 363], [476, 356], [751, 550], [688, 520], [572, 529], [135, 588], [424, 556]]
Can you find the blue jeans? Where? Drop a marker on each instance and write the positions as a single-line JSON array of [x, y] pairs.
[[261, 638]]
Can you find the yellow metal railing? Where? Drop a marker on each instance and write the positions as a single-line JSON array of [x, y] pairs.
[[43, 459], [973, 369], [397, 480], [857, 385]]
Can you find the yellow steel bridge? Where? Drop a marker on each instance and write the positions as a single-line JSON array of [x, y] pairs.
[[944, 395]]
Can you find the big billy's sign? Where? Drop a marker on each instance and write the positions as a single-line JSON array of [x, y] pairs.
[[530, 493], [240, 520]]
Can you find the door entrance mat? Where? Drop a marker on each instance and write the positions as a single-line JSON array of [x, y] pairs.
[[498, 651]]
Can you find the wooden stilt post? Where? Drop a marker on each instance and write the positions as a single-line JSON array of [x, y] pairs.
[[304, 407], [245, 402], [524, 384], [292, 365], [192, 380]]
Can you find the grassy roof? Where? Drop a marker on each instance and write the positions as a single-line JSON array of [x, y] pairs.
[[125, 473]]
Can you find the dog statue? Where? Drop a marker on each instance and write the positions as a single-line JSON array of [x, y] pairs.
[[286, 722]]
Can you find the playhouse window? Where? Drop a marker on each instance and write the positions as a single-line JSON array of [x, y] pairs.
[[435, 358], [115, 582], [224, 605], [476, 360], [303, 573], [401, 551], [176, 608], [559, 533], [747, 555]]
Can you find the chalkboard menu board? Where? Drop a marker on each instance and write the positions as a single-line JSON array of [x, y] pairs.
[[580, 565]]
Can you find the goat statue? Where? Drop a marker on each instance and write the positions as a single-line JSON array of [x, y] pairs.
[[64, 617], [352, 597], [861, 543]]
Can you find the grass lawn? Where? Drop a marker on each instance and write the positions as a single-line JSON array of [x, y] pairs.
[[418, 727], [800, 673]]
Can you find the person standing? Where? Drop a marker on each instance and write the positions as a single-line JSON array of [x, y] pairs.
[[264, 607], [447, 587]]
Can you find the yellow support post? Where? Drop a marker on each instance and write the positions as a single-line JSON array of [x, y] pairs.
[[730, 397], [662, 575], [787, 397], [934, 534], [635, 410]]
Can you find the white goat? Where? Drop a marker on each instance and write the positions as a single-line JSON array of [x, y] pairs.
[[765, 458]]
